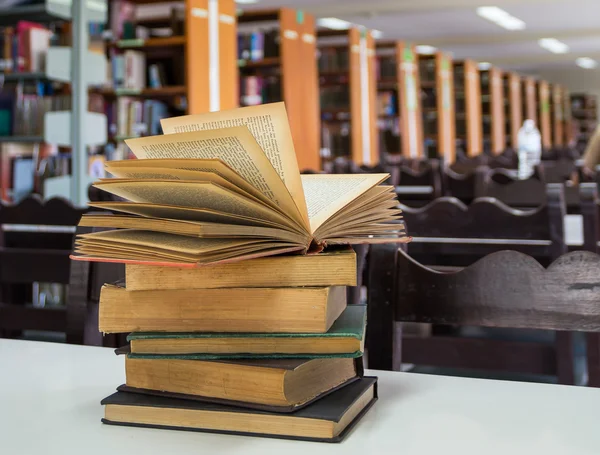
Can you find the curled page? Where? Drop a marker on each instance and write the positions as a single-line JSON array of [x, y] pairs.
[[235, 146], [269, 124]]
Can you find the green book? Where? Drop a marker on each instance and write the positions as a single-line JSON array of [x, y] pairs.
[[345, 338]]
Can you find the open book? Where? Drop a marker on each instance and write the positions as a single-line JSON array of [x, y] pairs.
[[226, 186]]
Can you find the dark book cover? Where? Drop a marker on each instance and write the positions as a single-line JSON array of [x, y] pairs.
[[329, 408]]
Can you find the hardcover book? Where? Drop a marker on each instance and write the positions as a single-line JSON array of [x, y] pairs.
[[329, 419]]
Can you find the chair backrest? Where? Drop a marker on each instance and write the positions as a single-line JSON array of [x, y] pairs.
[[590, 211], [503, 185], [504, 289], [36, 239], [463, 186], [448, 232]]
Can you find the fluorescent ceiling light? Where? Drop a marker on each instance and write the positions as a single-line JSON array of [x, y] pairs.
[[587, 63], [484, 66], [246, 2], [553, 45], [425, 49], [377, 34], [500, 17], [334, 23]]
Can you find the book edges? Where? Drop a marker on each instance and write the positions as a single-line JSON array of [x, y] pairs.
[[189, 265], [217, 357], [232, 403]]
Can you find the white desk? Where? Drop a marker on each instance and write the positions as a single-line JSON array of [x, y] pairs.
[[50, 395]]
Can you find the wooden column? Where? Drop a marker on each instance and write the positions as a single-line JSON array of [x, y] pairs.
[[544, 108], [497, 111], [568, 119], [362, 97], [516, 108], [529, 100], [558, 116], [211, 73], [473, 108], [411, 115], [309, 156], [446, 133]]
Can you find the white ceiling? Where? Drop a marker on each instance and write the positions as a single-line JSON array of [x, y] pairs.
[[453, 25]]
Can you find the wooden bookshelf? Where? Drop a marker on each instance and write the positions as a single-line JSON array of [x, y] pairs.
[[557, 115], [296, 70], [492, 105], [529, 98], [356, 78], [168, 41], [585, 116], [403, 60], [439, 122], [543, 113], [513, 108], [568, 118], [468, 106]]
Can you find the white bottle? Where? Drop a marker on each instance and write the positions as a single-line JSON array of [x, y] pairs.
[[530, 148]]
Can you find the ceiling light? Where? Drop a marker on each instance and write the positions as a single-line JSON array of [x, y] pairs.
[[246, 2], [587, 63], [484, 66], [500, 17], [553, 45], [334, 23], [425, 49], [377, 34]]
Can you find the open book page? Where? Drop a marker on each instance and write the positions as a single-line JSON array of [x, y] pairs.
[[270, 126], [157, 173], [327, 194], [174, 212], [235, 146], [192, 228], [191, 194], [213, 166]]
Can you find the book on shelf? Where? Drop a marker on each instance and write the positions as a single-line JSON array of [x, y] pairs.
[[273, 382], [132, 117], [344, 338], [235, 168], [331, 59], [122, 15], [23, 48], [257, 45], [291, 309], [328, 420]]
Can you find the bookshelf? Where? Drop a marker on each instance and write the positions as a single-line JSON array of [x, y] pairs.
[[585, 115], [284, 68], [437, 86], [398, 81], [348, 94], [467, 94], [492, 105], [513, 108], [543, 113], [529, 98], [557, 115], [568, 117]]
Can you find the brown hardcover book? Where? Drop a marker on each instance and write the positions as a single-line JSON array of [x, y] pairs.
[[308, 309], [225, 186], [327, 420], [332, 268], [274, 382]]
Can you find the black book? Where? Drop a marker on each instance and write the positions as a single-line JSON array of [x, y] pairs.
[[327, 420]]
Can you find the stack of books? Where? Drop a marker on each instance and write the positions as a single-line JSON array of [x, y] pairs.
[[265, 347], [236, 268]]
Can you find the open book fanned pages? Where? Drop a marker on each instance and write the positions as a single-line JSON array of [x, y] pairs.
[[225, 186]]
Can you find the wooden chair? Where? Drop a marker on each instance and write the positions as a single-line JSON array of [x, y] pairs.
[[464, 187], [86, 280], [418, 182], [504, 289], [35, 243], [503, 185], [448, 233]]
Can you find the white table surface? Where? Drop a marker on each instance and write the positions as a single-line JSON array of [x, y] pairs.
[[50, 404]]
